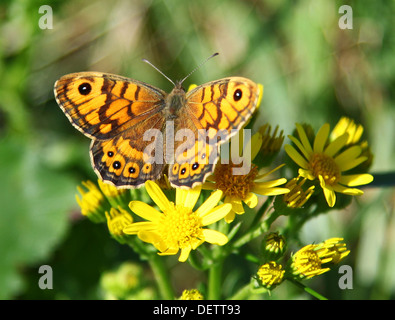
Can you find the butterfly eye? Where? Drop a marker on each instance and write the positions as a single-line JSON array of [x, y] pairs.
[[84, 88], [237, 95]]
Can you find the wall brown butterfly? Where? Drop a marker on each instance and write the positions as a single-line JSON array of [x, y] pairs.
[[117, 112]]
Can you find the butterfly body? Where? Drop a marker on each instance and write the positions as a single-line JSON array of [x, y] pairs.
[[138, 130], [174, 102]]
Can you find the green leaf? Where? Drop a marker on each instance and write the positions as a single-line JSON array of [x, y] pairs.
[[34, 202]]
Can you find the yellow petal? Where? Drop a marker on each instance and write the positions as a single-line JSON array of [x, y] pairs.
[[348, 191], [149, 236], [329, 193], [210, 203], [184, 254], [251, 200], [356, 179], [214, 237], [303, 138], [168, 252], [256, 143], [157, 195], [216, 214], [351, 163], [336, 145], [188, 198], [134, 228], [306, 174], [260, 88], [145, 211], [261, 176], [230, 216], [295, 156], [343, 159], [237, 206], [321, 138]]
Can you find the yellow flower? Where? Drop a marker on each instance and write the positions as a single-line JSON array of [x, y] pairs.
[[243, 188], [177, 226], [271, 274], [308, 261], [355, 131], [326, 161], [239, 188], [117, 220], [92, 202], [297, 197], [333, 250], [347, 125], [193, 294]]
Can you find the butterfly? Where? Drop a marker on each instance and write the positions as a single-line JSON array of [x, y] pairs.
[[117, 113]]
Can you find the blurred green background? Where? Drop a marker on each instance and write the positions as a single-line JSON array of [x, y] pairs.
[[312, 71]]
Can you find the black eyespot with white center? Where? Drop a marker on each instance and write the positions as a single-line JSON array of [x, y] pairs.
[[85, 88], [116, 165], [183, 170], [195, 166], [132, 170], [110, 154], [238, 94]]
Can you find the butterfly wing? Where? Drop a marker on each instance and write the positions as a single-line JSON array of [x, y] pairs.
[[102, 105], [219, 109], [126, 161], [114, 112]]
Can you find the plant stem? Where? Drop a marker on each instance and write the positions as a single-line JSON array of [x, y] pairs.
[[214, 281], [242, 294], [307, 289], [162, 277]]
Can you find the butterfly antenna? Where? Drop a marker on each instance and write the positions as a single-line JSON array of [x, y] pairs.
[[199, 66], [146, 61]]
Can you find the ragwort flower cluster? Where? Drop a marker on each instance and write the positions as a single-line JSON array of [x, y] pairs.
[[209, 218]]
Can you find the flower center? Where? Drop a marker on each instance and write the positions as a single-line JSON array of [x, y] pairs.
[[325, 166], [234, 185], [180, 227]]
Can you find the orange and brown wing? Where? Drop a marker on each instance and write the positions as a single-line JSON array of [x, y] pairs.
[[218, 108], [223, 104], [102, 105], [127, 161]]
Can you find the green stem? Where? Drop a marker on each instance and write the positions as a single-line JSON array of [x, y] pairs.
[[215, 280], [307, 289], [243, 293], [162, 277], [256, 231]]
